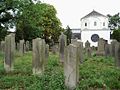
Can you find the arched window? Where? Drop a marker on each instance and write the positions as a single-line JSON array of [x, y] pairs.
[[85, 24], [95, 23], [103, 23]]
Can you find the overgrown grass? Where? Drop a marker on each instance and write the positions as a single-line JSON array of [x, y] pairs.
[[95, 72]]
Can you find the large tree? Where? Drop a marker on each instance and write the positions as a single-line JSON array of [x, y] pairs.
[[114, 24], [114, 21], [10, 10], [38, 20]]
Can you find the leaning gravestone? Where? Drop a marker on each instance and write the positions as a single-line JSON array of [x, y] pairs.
[[62, 44], [9, 52], [38, 60], [117, 54], [21, 49], [71, 66], [101, 47]]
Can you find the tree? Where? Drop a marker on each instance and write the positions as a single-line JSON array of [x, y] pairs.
[[38, 20], [114, 21], [116, 35], [68, 33], [114, 24], [9, 12]]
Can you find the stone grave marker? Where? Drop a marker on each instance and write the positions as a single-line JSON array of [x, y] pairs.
[[71, 66], [62, 44]]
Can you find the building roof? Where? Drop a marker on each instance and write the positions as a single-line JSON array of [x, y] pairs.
[[93, 13]]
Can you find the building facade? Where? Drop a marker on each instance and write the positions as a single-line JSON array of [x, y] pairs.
[[94, 26]]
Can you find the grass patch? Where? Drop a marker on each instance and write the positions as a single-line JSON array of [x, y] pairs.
[[95, 72]]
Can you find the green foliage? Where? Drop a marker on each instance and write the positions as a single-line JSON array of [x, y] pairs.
[[96, 72], [116, 35], [114, 21], [38, 19], [99, 72], [22, 77]]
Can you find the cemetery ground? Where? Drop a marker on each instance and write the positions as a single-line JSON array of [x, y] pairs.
[[96, 73]]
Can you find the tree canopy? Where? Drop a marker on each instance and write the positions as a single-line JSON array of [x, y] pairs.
[[39, 20], [114, 24], [114, 21], [31, 18]]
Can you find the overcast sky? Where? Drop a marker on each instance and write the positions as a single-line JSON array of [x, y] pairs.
[[70, 11]]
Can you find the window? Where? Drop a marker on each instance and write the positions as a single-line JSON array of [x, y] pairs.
[[95, 23], [95, 37], [86, 24], [103, 23]]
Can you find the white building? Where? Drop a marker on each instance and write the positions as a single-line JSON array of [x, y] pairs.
[[94, 26]]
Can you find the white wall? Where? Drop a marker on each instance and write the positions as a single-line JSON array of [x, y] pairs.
[[90, 22], [86, 35]]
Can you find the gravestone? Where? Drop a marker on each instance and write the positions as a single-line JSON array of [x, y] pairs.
[[73, 40], [87, 44], [117, 54], [38, 60], [47, 51], [79, 44], [2, 46], [88, 48], [24, 48], [54, 49], [9, 52], [89, 52], [62, 44], [101, 47], [71, 66], [112, 48], [107, 50], [27, 46], [21, 49]]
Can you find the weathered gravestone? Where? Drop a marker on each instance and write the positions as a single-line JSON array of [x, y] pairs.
[[117, 54], [88, 48], [74, 40], [27, 46], [21, 49], [54, 49], [47, 51], [38, 60], [112, 48], [87, 44], [79, 44], [62, 44], [2, 46], [24, 48], [89, 52], [9, 52], [71, 66], [107, 50], [101, 47]]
